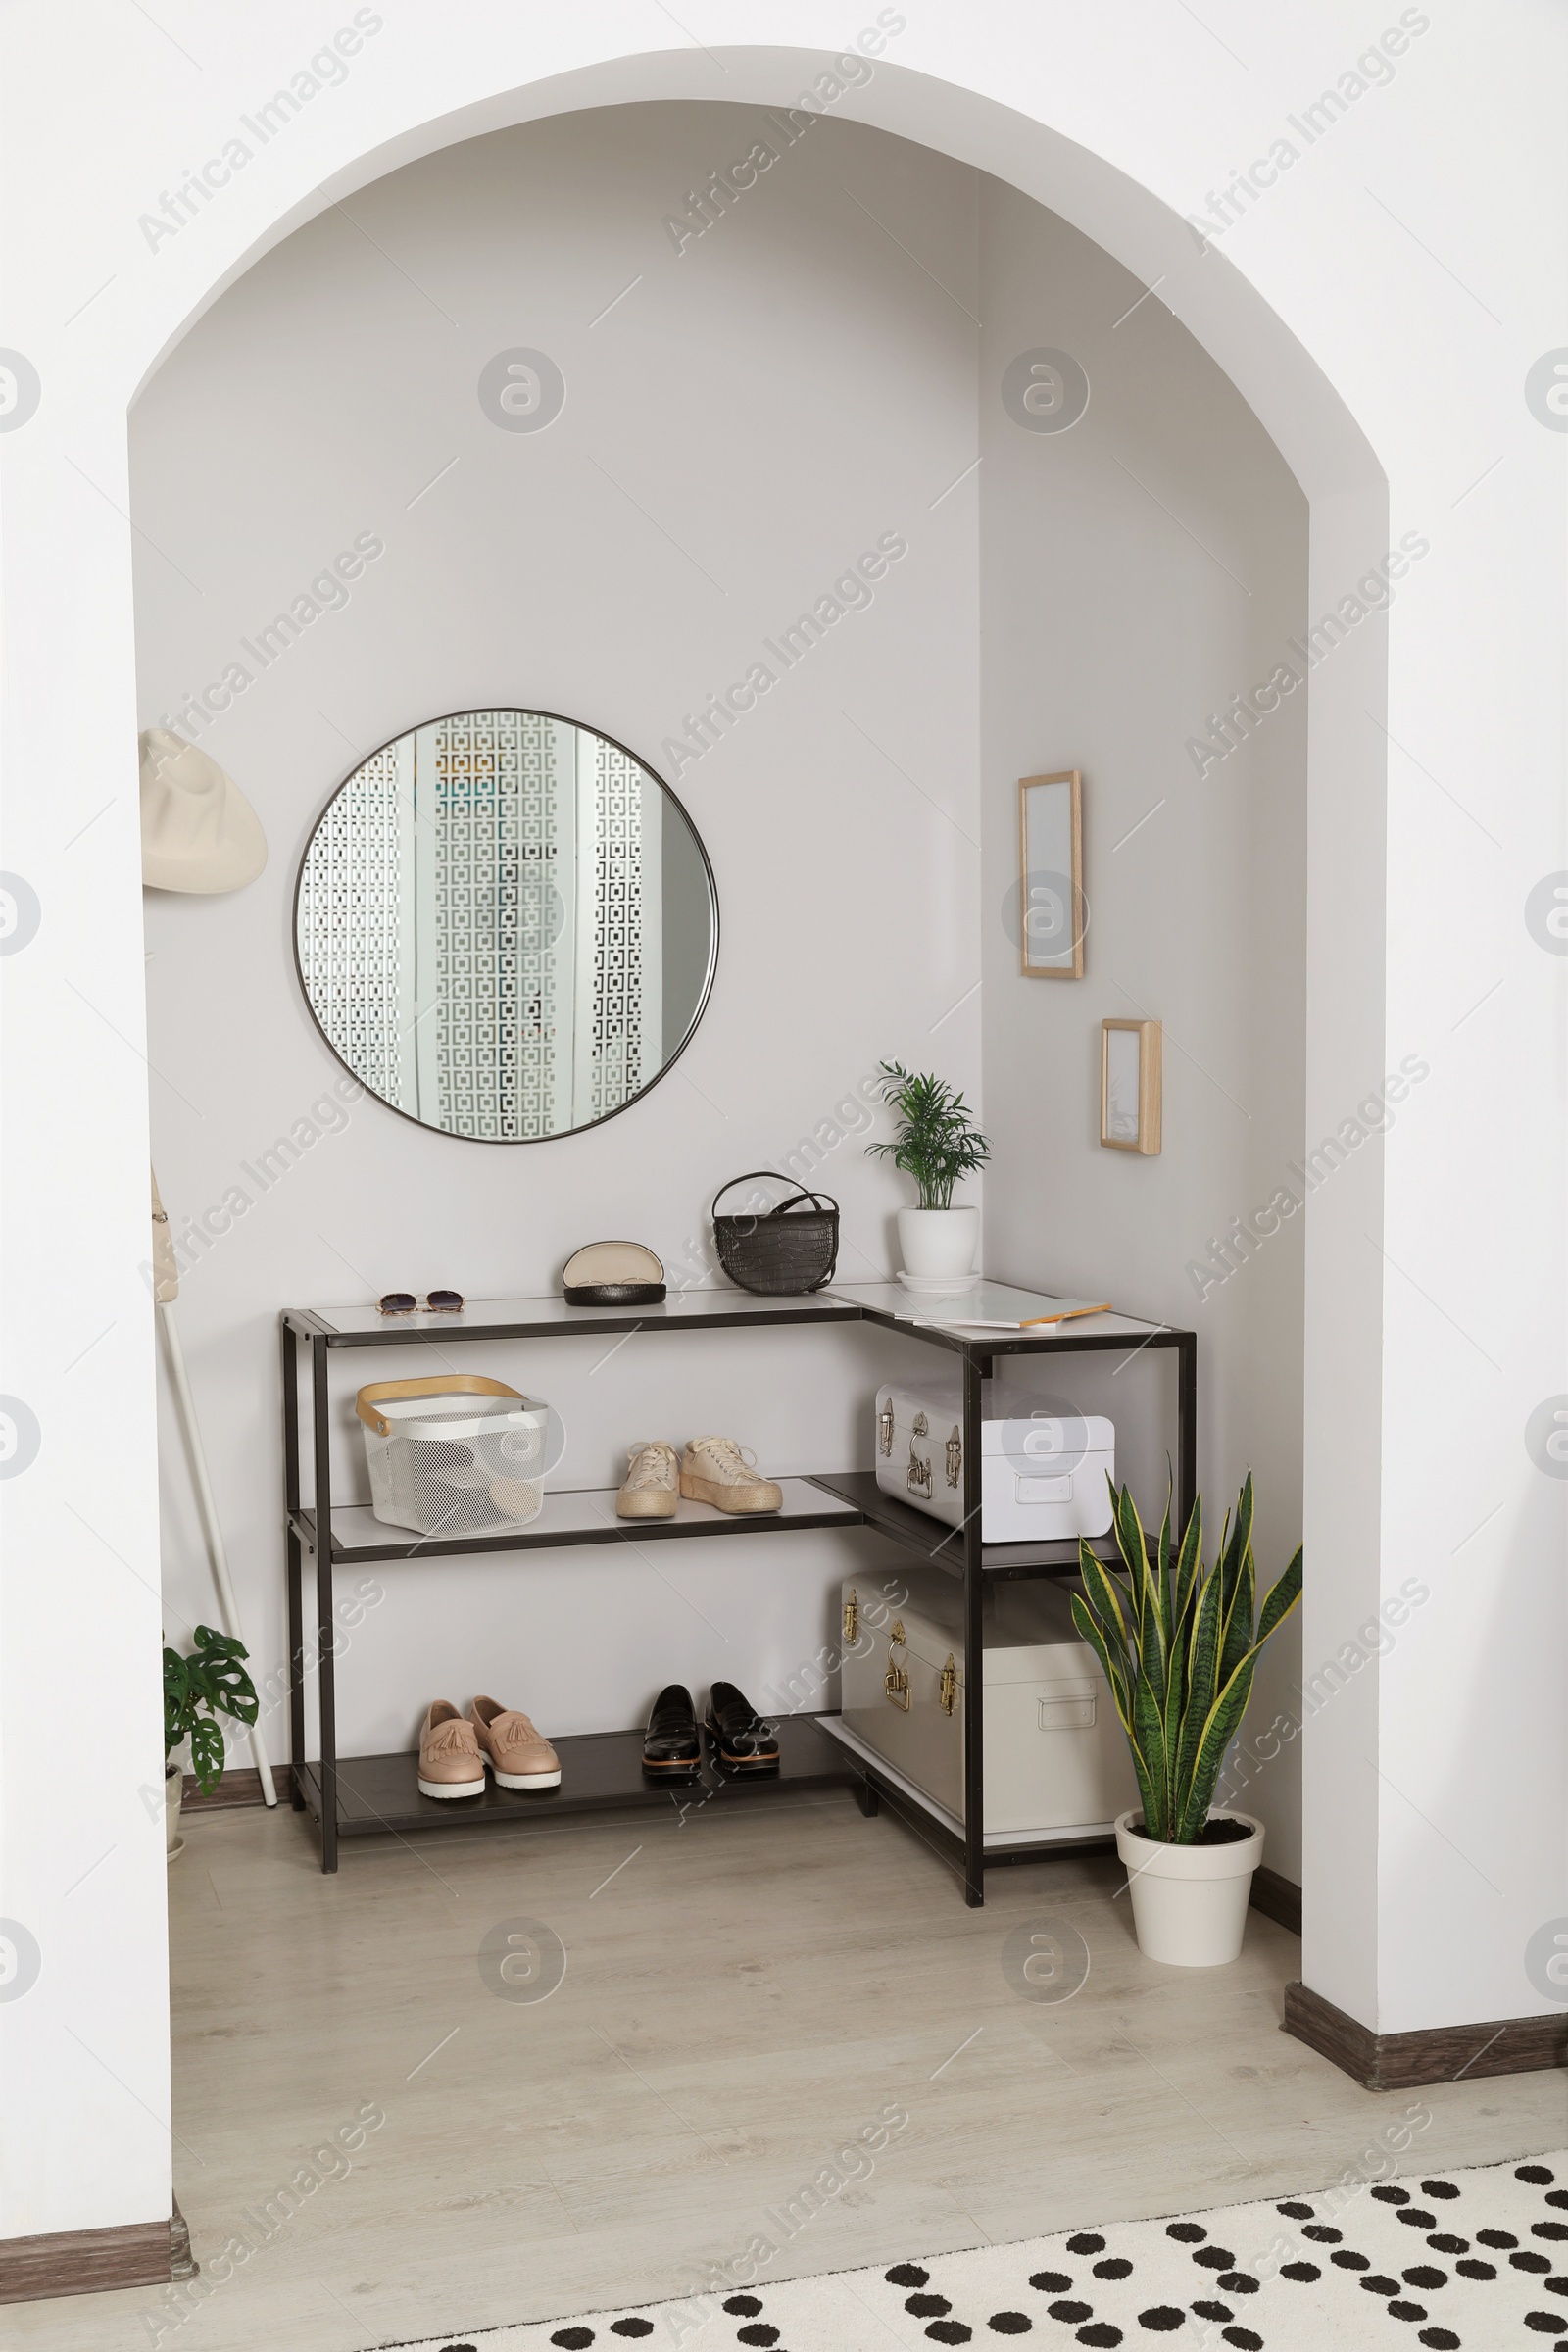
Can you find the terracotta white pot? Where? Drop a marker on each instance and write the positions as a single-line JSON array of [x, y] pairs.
[[174, 1792], [939, 1242], [1190, 1901]]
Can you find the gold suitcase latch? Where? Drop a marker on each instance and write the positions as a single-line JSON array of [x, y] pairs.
[[918, 1476], [852, 1620], [896, 1682], [955, 1458], [884, 1430], [947, 1688]]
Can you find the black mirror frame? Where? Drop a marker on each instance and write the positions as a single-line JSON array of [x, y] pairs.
[[509, 1142]]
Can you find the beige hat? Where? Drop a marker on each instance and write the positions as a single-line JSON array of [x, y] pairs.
[[198, 830]]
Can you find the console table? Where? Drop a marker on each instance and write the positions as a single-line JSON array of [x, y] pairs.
[[353, 1795]]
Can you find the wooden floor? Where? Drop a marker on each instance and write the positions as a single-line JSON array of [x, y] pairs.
[[742, 1994]]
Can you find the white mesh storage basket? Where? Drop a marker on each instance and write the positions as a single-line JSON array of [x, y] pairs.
[[456, 1454]]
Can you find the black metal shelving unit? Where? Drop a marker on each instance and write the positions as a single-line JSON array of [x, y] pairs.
[[352, 1796]]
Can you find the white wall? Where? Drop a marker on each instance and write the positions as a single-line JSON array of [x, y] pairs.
[[852, 924], [1138, 570], [1325, 303], [727, 448]]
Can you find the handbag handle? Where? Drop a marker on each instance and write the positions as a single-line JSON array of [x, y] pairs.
[[818, 1200]]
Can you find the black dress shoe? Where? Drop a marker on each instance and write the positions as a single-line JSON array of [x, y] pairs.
[[670, 1746], [741, 1739]]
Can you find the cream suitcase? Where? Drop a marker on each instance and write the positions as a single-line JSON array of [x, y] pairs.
[[1056, 1756], [1044, 1478]]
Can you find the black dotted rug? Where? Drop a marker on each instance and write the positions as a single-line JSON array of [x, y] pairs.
[[1466, 2261]]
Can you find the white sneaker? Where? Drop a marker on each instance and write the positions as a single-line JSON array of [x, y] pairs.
[[650, 1488], [717, 1471]]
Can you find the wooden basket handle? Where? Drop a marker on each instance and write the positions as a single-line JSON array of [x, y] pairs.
[[444, 1384]]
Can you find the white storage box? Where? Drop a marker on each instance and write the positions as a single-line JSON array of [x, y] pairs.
[[1042, 1479], [455, 1454], [1056, 1756]]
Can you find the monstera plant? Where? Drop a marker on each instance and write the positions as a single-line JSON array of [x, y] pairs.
[[1179, 1645], [198, 1688]]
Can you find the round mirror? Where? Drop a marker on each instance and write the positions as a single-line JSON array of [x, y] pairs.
[[505, 925]]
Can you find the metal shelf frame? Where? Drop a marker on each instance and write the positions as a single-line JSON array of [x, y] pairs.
[[849, 1499]]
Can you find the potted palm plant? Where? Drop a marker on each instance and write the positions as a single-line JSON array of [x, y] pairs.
[[209, 1682], [938, 1144], [1179, 1646]]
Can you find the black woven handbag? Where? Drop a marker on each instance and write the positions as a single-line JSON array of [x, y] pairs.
[[778, 1251]]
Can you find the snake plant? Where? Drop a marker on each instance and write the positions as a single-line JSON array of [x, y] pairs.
[[1179, 1648]]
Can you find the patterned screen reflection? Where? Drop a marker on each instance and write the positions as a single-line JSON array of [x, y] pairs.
[[505, 925]]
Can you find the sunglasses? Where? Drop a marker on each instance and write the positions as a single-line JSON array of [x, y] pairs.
[[404, 1302]]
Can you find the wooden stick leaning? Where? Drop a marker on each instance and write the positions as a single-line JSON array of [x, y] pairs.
[[165, 1291]]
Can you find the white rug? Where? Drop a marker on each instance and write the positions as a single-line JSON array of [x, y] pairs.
[[1474, 2259]]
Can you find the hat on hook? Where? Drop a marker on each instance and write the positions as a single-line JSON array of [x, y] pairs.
[[198, 830]]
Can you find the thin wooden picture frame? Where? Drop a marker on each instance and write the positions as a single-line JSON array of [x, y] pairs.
[[1063, 963], [1125, 1093]]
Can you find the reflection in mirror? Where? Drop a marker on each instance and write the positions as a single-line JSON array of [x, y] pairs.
[[505, 925]]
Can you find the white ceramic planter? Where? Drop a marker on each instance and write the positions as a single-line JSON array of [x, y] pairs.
[[174, 1792], [938, 1243], [1190, 1901]]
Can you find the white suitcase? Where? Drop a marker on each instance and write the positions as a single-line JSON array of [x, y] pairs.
[[1056, 1756], [1043, 1479]]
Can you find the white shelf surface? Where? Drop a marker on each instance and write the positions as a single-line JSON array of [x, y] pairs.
[[720, 1303], [585, 1514], [995, 1300], [711, 1304]]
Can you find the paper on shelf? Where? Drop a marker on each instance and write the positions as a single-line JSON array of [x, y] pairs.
[[998, 1306]]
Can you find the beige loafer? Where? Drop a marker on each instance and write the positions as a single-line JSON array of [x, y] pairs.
[[650, 1488], [519, 1756], [717, 1471], [450, 1763]]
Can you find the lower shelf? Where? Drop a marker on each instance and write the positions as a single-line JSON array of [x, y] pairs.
[[1004, 1844], [600, 1772]]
